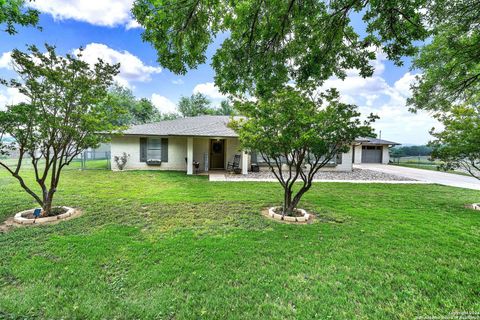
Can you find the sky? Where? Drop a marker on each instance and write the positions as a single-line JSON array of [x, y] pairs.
[[107, 30]]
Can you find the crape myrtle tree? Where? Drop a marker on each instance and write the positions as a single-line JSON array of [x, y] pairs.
[[458, 144], [297, 135], [65, 111]]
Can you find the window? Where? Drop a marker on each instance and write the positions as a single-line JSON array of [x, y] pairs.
[[153, 149]]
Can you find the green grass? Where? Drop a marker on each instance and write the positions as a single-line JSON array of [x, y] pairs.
[[153, 245]]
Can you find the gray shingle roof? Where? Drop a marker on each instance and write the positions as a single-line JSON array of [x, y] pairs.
[[367, 141], [203, 126], [206, 126]]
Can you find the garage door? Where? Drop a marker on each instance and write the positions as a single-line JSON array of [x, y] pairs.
[[371, 154]]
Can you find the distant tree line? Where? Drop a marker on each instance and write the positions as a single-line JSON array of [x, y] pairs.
[[409, 151], [140, 111]]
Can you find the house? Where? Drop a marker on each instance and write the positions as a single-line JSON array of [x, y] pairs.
[[208, 143]]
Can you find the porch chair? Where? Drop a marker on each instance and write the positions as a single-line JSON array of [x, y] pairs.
[[235, 165]]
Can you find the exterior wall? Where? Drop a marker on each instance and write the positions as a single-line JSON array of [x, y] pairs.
[[232, 147], [358, 154], [385, 155], [201, 146], [177, 151], [345, 166]]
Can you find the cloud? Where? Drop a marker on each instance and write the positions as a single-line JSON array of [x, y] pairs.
[[10, 96], [109, 13], [210, 90], [376, 95], [163, 104], [132, 69], [6, 60], [178, 81]]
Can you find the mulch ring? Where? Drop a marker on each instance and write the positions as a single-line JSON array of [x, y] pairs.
[[266, 214], [10, 224], [474, 206]]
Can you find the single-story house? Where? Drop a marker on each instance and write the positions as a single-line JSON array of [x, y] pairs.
[[206, 143]]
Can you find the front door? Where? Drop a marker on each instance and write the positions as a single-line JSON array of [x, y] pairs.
[[217, 154]]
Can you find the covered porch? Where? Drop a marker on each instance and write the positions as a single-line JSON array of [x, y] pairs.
[[207, 154]]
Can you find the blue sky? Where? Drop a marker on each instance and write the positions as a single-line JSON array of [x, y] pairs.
[[105, 29]]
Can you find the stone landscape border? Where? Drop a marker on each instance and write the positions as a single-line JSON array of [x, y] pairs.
[[306, 216], [20, 219]]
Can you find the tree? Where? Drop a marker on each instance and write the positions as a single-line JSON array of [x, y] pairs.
[[65, 112], [195, 105], [225, 109], [458, 144], [136, 111], [12, 12], [303, 134], [271, 43], [450, 63]]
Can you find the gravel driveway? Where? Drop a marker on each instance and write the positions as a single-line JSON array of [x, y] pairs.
[[355, 175]]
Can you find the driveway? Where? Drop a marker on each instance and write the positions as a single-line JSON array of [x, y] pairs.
[[446, 179]]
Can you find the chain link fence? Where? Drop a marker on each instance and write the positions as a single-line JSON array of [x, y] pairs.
[[87, 160]]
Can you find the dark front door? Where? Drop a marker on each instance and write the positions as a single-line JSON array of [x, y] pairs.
[[217, 154]]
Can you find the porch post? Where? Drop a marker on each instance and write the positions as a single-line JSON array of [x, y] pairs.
[[189, 155], [244, 162]]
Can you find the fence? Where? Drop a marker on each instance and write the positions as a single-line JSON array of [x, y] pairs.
[[87, 160]]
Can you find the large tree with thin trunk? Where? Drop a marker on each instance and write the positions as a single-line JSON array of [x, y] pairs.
[[65, 111], [270, 43], [297, 135]]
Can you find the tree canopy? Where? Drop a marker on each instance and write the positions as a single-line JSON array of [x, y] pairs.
[[297, 135], [458, 144], [198, 104], [13, 12], [64, 113], [450, 63], [136, 111], [270, 43]]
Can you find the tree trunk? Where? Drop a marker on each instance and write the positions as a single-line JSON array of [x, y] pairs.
[[47, 203], [287, 201]]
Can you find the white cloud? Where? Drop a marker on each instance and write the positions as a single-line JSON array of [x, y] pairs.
[[375, 95], [108, 13], [6, 60], [132, 69], [178, 81], [10, 96], [163, 104], [209, 89]]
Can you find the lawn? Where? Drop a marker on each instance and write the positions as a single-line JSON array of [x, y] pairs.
[[153, 245]]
